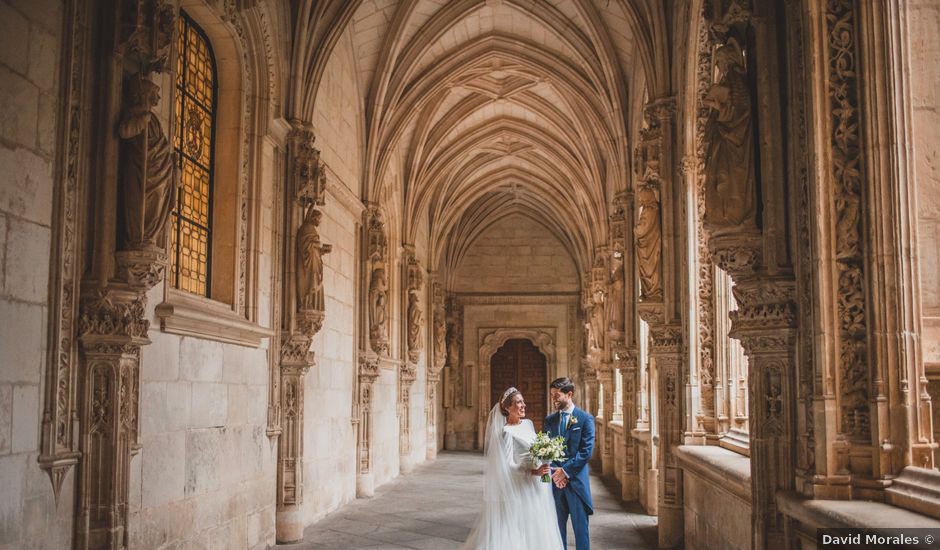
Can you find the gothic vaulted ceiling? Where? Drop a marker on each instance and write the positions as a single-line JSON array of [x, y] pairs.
[[476, 109]]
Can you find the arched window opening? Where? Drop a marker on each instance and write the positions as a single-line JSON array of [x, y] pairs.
[[731, 388], [194, 140]]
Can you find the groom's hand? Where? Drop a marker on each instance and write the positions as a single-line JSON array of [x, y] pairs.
[[559, 477]]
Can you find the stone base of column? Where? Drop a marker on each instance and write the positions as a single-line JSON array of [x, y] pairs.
[[365, 485], [630, 487], [652, 487], [406, 464], [288, 525], [607, 465], [671, 527]]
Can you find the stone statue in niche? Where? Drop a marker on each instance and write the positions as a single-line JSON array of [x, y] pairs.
[[440, 340], [589, 342], [414, 324], [378, 308], [649, 236], [730, 183], [598, 327], [148, 169], [615, 297], [310, 251]]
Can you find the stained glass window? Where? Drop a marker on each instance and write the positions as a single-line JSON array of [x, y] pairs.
[[194, 139]]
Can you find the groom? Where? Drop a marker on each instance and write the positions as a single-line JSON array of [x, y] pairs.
[[572, 488]]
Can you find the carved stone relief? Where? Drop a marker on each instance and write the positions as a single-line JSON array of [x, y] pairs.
[[378, 282], [310, 252], [648, 232], [368, 373], [415, 320], [848, 203], [730, 182]]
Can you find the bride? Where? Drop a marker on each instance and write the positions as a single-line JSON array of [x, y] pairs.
[[518, 508]]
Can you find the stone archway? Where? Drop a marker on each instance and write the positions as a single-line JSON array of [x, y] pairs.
[[491, 341]]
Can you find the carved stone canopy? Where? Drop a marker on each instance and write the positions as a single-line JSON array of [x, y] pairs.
[[540, 338]]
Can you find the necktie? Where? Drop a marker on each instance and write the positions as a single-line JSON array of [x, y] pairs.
[[564, 423]]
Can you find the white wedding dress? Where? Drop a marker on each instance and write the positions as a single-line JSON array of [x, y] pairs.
[[518, 508]]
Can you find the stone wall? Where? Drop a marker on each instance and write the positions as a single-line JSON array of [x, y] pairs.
[[716, 497], [206, 465], [517, 254], [29, 48], [925, 90]]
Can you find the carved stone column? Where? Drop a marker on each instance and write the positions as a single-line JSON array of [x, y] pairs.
[[438, 360], [406, 377], [111, 331], [590, 405], [605, 381], [60, 445], [131, 179], [590, 391], [303, 307], [665, 349], [627, 363], [377, 305], [414, 343], [367, 374], [765, 322], [459, 387], [657, 237]]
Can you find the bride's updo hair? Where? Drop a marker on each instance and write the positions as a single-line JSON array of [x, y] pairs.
[[506, 401]]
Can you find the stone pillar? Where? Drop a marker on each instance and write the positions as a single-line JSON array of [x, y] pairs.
[[414, 343], [289, 524], [605, 379], [112, 330], [125, 262], [438, 361], [303, 305], [747, 239], [459, 387], [590, 405], [296, 360], [433, 379], [378, 306], [766, 325], [659, 253], [666, 351], [406, 377], [367, 374], [60, 445], [627, 363]]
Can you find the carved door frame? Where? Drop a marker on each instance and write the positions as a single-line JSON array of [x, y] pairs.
[[490, 341]]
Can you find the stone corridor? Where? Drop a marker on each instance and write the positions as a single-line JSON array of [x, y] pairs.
[[436, 506]]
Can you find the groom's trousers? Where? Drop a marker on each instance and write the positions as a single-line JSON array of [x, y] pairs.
[[567, 503]]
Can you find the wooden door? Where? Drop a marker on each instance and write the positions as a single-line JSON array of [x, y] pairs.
[[520, 364]]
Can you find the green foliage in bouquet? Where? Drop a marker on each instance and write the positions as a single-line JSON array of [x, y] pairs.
[[545, 450]]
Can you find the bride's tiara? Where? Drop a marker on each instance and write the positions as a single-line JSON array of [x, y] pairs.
[[508, 392]]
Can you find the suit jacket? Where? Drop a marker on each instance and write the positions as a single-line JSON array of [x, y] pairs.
[[579, 444]]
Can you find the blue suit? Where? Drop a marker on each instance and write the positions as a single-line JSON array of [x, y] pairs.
[[575, 498]]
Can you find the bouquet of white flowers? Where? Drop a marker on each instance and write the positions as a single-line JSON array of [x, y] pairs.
[[545, 450]]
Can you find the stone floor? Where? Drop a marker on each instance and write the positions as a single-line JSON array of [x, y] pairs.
[[436, 506]]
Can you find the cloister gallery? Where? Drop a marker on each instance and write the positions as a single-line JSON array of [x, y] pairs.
[[258, 258]]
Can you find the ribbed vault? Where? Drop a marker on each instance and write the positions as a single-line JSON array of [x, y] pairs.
[[475, 110]]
